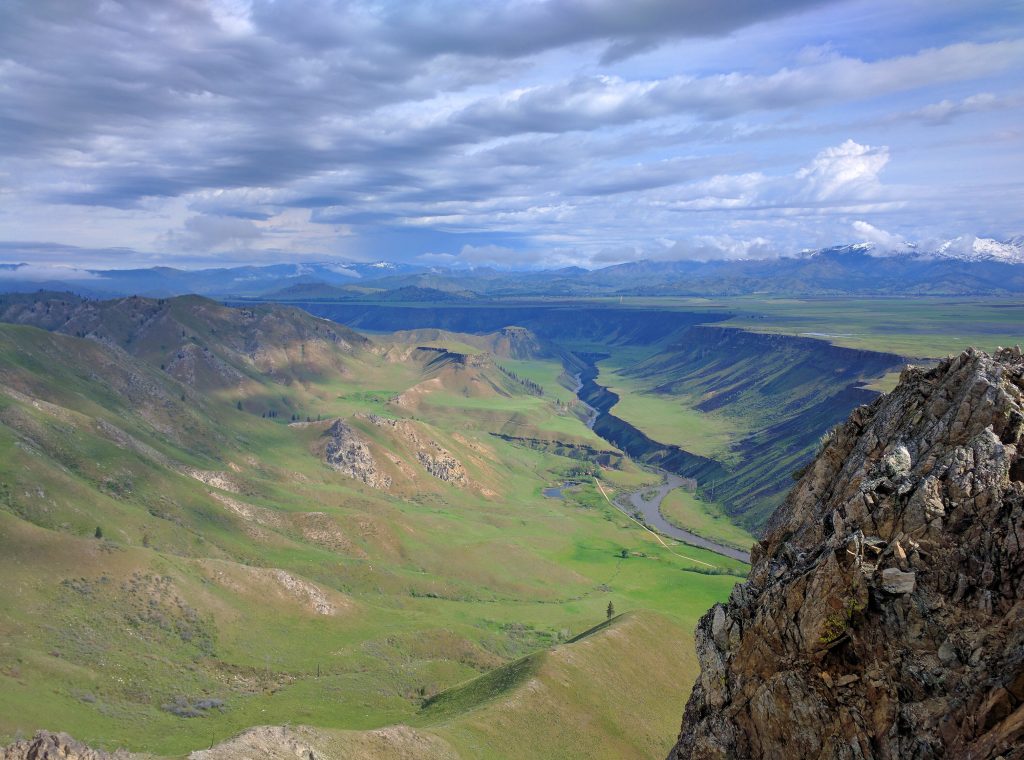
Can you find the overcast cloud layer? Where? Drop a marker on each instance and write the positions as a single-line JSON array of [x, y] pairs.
[[517, 133]]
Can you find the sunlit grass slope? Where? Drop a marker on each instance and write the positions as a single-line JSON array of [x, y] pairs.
[[236, 580]]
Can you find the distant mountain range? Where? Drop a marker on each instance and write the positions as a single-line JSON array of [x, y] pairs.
[[167, 281], [963, 266], [972, 249]]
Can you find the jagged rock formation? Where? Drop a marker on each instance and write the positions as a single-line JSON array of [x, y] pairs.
[[432, 456], [442, 466], [346, 452], [46, 745], [884, 612]]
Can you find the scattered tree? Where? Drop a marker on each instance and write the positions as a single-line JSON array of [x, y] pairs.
[[238, 405], [99, 532], [610, 611], [624, 553]]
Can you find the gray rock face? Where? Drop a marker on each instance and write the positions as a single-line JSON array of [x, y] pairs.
[[884, 612], [349, 454], [442, 465], [431, 455]]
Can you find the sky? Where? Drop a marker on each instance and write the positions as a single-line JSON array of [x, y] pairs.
[[522, 133]]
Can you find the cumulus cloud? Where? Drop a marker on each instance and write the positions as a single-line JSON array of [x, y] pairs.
[[845, 176], [716, 247], [204, 232], [848, 171]]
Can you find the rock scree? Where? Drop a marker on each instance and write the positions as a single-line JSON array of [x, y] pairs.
[[883, 616]]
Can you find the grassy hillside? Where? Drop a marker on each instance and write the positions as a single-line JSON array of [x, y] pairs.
[[180, 564], [542, 705]]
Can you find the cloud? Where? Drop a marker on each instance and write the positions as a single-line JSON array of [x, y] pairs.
[[205, 233], [59, 257], [884, 240], [515, 29], [845, 172], [945, 111], [592, 102], [237, 128], [44, 273], [717, 247], [845, 176]]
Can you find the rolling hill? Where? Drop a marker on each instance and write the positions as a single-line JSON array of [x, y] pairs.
[[272, 537]]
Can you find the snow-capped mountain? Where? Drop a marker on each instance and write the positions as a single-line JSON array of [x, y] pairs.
[[963, 248], [983, 249]]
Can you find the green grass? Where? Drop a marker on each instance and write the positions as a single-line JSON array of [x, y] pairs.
[[470, 602], [479, 691], [546, 373], [914, 327], [552, 714], [667, 418], [433, 585]]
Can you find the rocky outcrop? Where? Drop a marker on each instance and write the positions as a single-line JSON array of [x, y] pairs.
[[348, 453], [431, 455], [443, 466], [46, 745], [884, 613]]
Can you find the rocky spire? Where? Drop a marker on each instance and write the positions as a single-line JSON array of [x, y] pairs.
[[884, 612]]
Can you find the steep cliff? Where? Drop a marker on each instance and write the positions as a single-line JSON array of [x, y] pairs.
[[884, 612]]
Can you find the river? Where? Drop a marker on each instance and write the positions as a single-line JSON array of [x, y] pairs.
[[651, 511], [638, 446]]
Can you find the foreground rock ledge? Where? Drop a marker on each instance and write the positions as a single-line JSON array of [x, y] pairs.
[[884, 612], [49, 745]]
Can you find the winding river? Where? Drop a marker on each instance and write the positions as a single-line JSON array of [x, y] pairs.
[[599, 400], [650, 508]]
